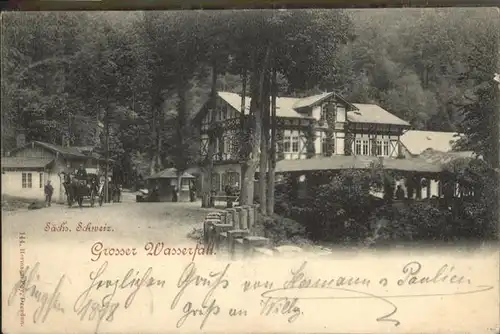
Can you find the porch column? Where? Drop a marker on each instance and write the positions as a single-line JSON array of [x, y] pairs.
[[429, 188], [418, 182], [295, 185], [220, 181], [410, 189]]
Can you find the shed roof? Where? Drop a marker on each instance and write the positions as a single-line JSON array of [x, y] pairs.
[[169, 173], [357, 162], [372, 113], [417, 141], [23, 162]]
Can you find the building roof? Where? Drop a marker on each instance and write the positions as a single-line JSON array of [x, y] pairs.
[[311, 100], [434, 156], [284, 105], [288, 106], [234, 100], [372, 113], [356, 162], [23, 162], [416, 141], [169, 173], [71, 151]]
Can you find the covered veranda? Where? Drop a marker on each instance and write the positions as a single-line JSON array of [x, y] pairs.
[[418, 177]]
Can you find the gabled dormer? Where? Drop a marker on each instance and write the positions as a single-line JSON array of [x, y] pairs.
[[326, 107]]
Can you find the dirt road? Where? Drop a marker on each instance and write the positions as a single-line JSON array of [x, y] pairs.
[[167, 222]]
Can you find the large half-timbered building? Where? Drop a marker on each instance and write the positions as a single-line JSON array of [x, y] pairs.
[[319, 125]]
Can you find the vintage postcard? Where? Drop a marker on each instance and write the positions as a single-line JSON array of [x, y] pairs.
[[291, 171]]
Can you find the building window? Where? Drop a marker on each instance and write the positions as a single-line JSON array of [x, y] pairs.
[[41, 180], [379, 147], [386, 148], [322, 116], [216, 182], [324, 146], [295, 144], [286, 144], [185, 183], [365, 148], [230, 179], [222, 145], [26, 180], [357, 147]]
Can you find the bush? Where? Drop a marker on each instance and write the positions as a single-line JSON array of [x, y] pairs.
[[417, 221], [281, 230], [338, 210], [340, 207], [13, 203], [196, 234]]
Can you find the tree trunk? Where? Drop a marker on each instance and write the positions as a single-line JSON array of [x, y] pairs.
[[208, 170], [272, 149], [264, 146], [207, 174], [152, 165], [179, 185], [244, 131], [256, 87]]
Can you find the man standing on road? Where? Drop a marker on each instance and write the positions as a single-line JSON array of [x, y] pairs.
[[49, 190]]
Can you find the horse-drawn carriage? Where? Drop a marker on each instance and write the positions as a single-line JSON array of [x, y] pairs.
[[80, 188]]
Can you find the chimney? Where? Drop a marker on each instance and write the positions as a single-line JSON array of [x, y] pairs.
[[20, 140]]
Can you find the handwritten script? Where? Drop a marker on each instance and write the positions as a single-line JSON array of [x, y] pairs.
[[30, 286], [197, 295], [302, 287]]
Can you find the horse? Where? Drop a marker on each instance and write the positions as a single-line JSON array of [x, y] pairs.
[[76, 189]]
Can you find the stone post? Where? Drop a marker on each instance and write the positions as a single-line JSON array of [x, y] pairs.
[[220, 233], [229, 217], [236, 217], [223, 217], [249, 242], [256, 210], [232, 237], [213, 215], [251, 218], [208, 230], [244, 217]]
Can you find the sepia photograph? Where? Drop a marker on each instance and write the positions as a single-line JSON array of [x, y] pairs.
[[180, 139]]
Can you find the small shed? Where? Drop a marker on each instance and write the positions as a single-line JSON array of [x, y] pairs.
[[166, 181]]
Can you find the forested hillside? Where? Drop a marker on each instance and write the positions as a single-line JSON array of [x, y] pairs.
[[151, 72]]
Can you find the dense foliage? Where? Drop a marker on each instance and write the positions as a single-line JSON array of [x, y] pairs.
[[147, 74], [345, 210], [150, 72]]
